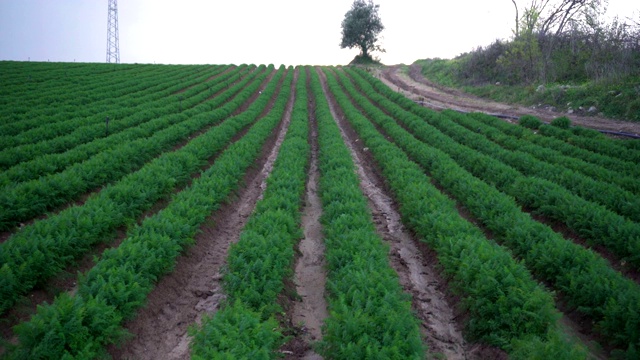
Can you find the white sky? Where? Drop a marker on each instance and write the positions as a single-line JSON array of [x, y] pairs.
[[290, 32]]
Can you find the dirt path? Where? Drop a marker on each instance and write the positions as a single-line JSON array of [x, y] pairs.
[[194, 287], [438, 97], [415, 268], [309, 313]]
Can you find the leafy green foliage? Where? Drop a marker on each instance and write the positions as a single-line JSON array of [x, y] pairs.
[[370, 314], [588, 282], [41, 250], [503, 301], [259, 262], [561, 122], [360, 28], [589, 162], [602, 146], [26, 200], [235, 332], [530, 122], [122, 277], [45, 164]]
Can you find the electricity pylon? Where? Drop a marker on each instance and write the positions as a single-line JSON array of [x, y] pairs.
[[113, 47]]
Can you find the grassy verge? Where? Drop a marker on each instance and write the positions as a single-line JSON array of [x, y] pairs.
[[619, 100]]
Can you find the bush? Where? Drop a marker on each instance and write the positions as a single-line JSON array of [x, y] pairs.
[[530, 122], [562, 122]]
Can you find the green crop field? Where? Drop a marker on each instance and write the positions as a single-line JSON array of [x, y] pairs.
[[111, 177]]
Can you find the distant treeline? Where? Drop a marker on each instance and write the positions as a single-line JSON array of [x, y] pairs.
[[557, 42]]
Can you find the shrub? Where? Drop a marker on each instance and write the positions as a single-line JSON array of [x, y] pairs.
[[562, 122], [530, 122]]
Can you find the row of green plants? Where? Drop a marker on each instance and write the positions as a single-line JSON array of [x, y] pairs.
[[548, 155], [14, 73], [601, 146], [623, 167], [631, 144], [246, 325], [79, 326], [594, 222], [123, 119], [26, 200], [32, 98], [506, 307], [41, 250], [116, 99], [370, 314], [22, 84], [24, 76], [618, 200], [609, 195], [52, 163], [586, 281], [122, 104]]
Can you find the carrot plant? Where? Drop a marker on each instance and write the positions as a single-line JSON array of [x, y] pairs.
[[370, 314], [112, 291], [587, 281], [52, 163], [37, 252], [26, 200], [507, 308], [620, 166], [257, 265], [594, 222], [142, 93], [603, 146], [551, 156], [124, 117]]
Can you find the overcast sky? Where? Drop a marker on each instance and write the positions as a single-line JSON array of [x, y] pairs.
[[290, 32]]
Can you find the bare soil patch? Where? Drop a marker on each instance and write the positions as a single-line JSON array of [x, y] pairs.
[[438, 97], [194, 287]]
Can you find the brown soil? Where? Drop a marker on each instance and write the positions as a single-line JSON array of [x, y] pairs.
[[417, 270], [194, 287], [416, 87], [307, 315]]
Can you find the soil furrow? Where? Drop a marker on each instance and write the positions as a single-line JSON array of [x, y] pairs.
[[194, 287], [415, 267], [308, 314]]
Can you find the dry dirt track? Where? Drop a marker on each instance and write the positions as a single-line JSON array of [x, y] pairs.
[[416, 87]]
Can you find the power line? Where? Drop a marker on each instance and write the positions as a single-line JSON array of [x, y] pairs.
[[113, 43]]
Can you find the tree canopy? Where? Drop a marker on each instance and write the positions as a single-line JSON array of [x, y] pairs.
[[361, 26]]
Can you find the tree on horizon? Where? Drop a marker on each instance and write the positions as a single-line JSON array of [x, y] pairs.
[[361, 27]]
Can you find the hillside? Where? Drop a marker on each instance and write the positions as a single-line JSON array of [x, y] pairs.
[[249, 211]]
